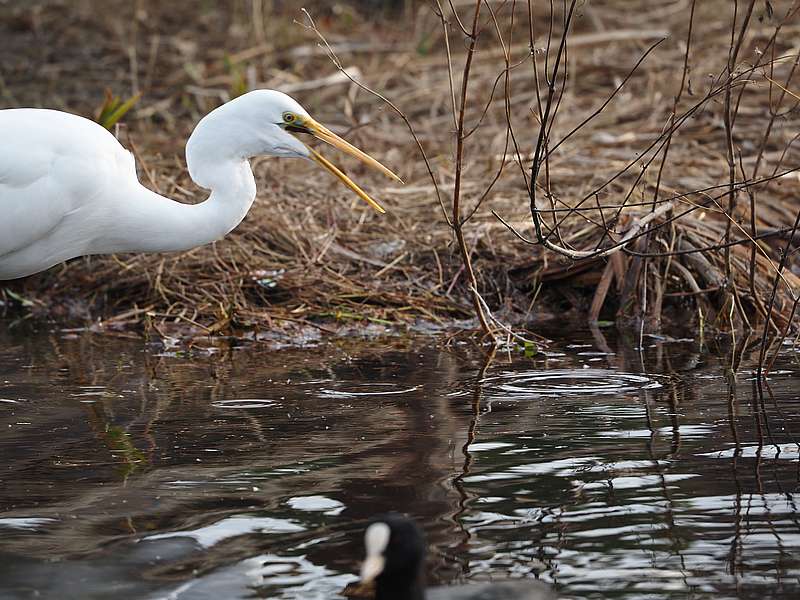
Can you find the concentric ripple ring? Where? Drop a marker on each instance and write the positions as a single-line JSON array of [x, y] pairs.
[[568, 382], [367, 389], [244, 403]]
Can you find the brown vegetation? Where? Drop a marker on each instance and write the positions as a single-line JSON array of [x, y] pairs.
[[669, 145]]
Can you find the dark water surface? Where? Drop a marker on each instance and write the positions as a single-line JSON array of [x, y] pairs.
[[127, 471]]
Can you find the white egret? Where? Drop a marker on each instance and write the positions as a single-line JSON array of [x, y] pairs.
[[68, 188]]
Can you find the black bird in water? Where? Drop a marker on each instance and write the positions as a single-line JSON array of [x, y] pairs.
[[395, 561]]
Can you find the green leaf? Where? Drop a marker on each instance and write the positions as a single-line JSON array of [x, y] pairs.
[[22, 300], [113, 109]]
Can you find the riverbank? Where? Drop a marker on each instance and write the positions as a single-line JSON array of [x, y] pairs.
[[632, 225]]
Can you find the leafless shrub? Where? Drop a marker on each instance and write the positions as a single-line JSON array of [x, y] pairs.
[[611, 159]]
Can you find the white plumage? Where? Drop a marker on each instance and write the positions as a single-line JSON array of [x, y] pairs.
[[68, 188]]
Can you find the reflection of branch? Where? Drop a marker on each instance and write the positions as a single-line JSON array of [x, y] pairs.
[[669, 513], [736, 540], [777, 479], [472, 432]]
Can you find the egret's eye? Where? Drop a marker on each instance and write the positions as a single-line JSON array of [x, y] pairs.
[[289, 117]]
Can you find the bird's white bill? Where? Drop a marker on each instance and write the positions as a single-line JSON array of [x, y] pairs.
[[345, 179], [371, 568], [376, 539]]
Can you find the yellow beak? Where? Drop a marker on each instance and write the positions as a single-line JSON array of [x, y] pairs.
[[326, 135]]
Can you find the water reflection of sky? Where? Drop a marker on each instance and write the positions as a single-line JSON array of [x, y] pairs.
[[249, 474]]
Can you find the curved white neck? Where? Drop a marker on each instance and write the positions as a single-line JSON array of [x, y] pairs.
[[149, 222]]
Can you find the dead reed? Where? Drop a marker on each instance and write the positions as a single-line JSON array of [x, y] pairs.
[[610, 160]]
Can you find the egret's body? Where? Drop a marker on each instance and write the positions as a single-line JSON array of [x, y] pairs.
[[68, 188]]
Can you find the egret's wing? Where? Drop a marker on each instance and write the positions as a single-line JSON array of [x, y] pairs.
[[51, 164], [29, 208]]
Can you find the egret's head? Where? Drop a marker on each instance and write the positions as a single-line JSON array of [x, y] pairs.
[[267, 114], [266, 123]]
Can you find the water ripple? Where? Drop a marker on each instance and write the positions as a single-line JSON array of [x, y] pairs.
[[26, 522], [322, 504], [773, 451], [230, 527], [237, 403], [567, 382], [367, 389]]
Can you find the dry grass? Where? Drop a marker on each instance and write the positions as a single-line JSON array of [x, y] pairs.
[[299, 258]]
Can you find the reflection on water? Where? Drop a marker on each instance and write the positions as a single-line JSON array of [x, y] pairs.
[[132, 473]]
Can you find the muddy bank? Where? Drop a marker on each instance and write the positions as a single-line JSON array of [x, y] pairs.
[[309, 257]]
